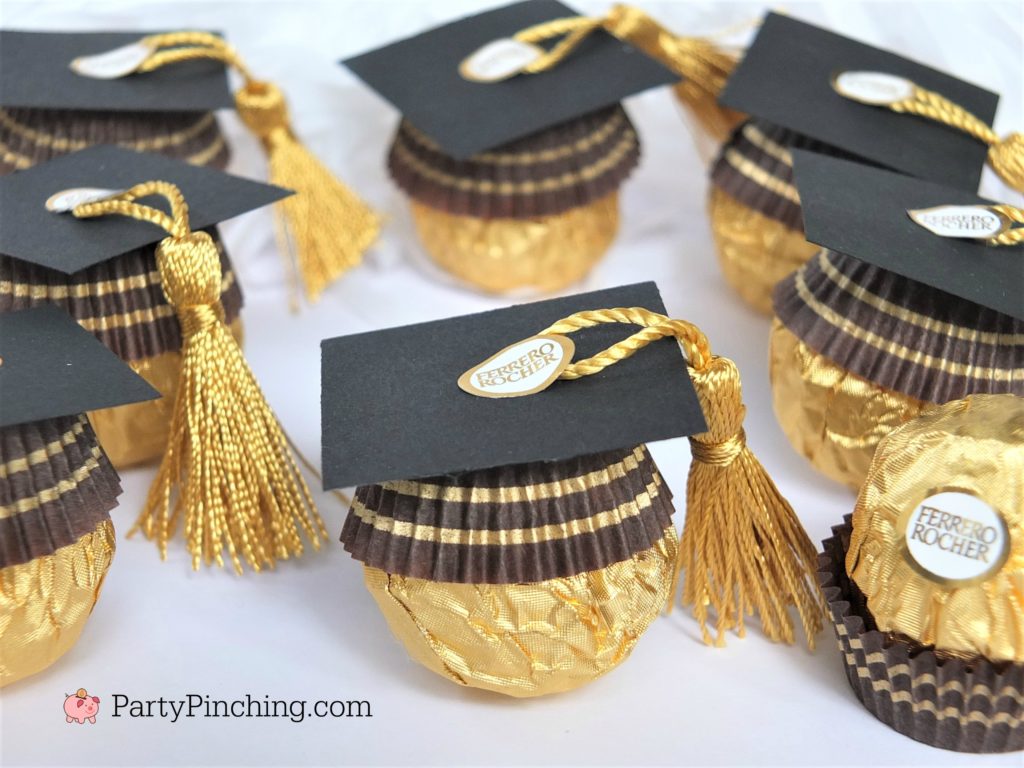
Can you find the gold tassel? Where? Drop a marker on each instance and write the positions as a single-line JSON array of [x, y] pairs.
[[704, 66], [227, 472], [325, 226], [742, 549]]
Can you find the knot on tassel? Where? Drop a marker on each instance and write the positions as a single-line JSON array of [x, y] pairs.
[[719, 454], [1006, 157], [721, 400], [262, 107], [200, 318], [189, 270]]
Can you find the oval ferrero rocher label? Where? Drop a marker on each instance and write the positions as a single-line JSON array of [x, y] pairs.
[[524, 368], [955, 538]]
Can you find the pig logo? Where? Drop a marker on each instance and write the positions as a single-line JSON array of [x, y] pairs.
[[80, 706]]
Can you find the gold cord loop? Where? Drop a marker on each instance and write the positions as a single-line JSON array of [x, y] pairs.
[[1014, 235], [227, 473], [742, 547]]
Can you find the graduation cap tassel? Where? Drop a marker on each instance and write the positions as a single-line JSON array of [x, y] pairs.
[[227, 473], [703, 65], [742, 549], [326, 226]]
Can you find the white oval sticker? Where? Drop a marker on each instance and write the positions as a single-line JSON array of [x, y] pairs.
[[956, 538], [977, 222], [111, 65], [523, 368], [69, 199], [499, 60], [876, 88]]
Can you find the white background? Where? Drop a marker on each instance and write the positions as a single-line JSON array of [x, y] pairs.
[[310, 630]]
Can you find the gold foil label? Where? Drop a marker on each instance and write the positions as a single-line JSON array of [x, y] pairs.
[[974, 222], [113, 64], [499, 60], [523, 368], [878, 89], [69, 199], [955, 538]]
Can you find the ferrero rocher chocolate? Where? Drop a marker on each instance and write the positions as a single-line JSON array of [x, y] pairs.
[[536, 213], [56, 539], [755, 209], [938, 531], [121, 301], [857, 350], [527, 579]]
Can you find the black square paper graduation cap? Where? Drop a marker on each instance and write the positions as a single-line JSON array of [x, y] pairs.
[[420, 76], [28, 231], [392, 408], [862, 212], [35, 72], [785, 78], [52, 367]]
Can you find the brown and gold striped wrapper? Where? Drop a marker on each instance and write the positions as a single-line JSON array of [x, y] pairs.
[[857, 350], [528, 579], [755, 209], [122, 302], [963, 705], [31, 136], [57, 488], [534, 213]]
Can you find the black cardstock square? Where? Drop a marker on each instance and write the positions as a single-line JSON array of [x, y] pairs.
[[28, 231], [53, 367], [35, 72], [785, 78], [392, 409], [420, 77], [862, 212]]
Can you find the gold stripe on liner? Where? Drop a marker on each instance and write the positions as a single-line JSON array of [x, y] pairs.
[[909, 316], [512, 494], [895, 349], [927, 678], [583, 144], [760, 176], [65, 144], [511, 536], [202, 157], [552, 184], [756, 136], [48, 451], [54, 492]]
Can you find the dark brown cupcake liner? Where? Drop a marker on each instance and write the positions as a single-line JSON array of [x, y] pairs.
[[945, 702], [899, 333], [31, 136], [56, 485], [593, 511], [757, 148], [119, 300], [564, 167]]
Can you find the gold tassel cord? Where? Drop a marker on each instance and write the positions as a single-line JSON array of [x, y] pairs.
[[742, 549], [1013, 235], [1005, 156], [702, 64], [227, 474], [326, 226]]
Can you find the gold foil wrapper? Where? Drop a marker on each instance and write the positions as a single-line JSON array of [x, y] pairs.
[[546, 253], [528, 639], [975, 445], [832, 417], [137, 434], [755, 252], [45, 602]]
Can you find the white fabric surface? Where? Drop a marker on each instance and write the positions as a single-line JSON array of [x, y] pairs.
[[310, 630]]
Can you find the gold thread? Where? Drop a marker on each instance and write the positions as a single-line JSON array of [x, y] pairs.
[[554, 183], [38, 456], [510, 536]]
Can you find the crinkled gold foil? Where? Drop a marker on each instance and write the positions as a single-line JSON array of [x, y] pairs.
[[45, 602], [497, 255], [833, 417], [137, 433], [754, 251], [528, 639], [977, 445]]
